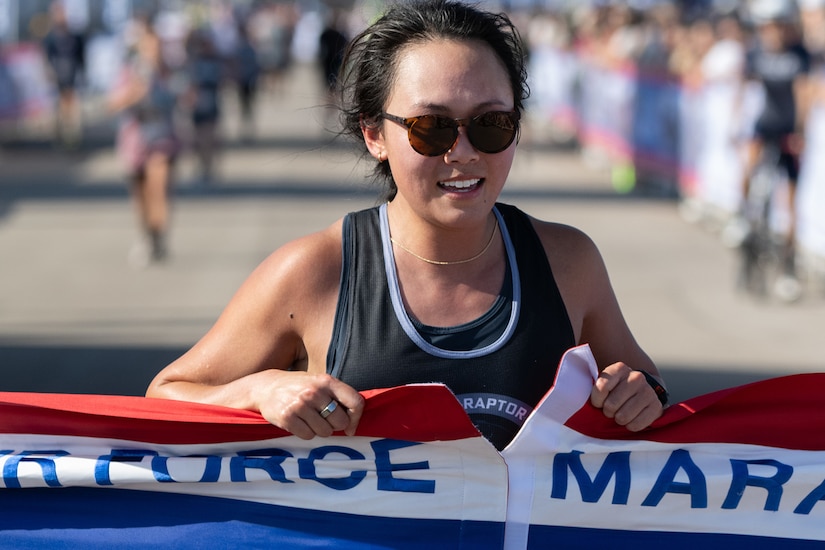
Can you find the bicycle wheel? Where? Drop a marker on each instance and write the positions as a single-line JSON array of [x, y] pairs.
[[758, 251]]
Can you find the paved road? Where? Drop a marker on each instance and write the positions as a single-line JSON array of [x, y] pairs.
[[75, 317]]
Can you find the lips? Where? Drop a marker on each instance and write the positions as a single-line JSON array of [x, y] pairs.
[[460, 186]]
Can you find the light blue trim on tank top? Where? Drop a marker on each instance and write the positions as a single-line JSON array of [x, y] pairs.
[[401, 311]]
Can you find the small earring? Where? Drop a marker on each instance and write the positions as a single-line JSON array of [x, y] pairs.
[[381, 157]]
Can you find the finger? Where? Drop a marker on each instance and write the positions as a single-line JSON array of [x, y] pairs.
[[342, 418], [319, 425], [351, 403], [329, 409], [630, 395], [339, 418], [299, 428], [354, 413], [297, 416], [601, 390], [606, 383], [628, 410], [645, 418]]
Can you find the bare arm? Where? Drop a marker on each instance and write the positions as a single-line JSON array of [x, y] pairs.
[[803, 89], [267, 351], [621, 392], [127, 91]]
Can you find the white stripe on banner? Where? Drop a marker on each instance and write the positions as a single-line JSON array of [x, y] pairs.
[[459, 480]]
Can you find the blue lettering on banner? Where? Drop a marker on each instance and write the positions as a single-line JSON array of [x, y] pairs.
[[742, 478], [810, 501], [616, 465], [696, 486], [270, 460], [160, 470], [118, 455], [306, 467], [615, 468], [384, 469], [495, 404], [211, 469], [44, 459]]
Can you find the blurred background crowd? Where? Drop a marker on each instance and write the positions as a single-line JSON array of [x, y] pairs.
[[59, 57], [673, 97], [655, 89]]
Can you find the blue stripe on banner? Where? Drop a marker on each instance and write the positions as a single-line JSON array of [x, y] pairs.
[[576, 538], [82, 517]]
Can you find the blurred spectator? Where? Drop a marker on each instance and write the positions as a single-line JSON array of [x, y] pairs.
[[9, 100], [812, 13], [720, 109], [331, 46], [621, 35], [271, 31], [205, 68], [694, 42], [656, 125], [147, 142], [246, 70], [65, 52], [780, 64]]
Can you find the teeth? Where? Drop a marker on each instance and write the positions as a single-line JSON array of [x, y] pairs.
[[464, 184]]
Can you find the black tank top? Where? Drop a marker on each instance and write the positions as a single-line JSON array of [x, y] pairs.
[[375, 343]]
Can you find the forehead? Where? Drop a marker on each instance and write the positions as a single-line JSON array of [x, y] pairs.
[[447, 73]]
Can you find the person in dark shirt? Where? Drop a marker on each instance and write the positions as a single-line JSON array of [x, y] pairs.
[[331, 45], [205, 72], [780, 65], [66, 54], [246, 70]]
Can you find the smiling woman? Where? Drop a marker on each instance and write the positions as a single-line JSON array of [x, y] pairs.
[[440, 282]]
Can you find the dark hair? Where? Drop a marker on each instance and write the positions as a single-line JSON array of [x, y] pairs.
[[369, 66]]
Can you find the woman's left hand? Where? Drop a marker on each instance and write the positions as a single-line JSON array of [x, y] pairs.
[[625, 396]]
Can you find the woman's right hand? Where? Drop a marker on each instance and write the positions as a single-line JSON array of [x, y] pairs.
[[293, 401]]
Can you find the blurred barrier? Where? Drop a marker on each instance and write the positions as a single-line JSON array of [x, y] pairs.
[[811, 191], [25, 88], [661, 136]]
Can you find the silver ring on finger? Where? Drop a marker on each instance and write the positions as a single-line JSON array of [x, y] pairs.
[[329, 409]]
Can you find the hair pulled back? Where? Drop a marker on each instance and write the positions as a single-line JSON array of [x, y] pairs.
[[369, 67]]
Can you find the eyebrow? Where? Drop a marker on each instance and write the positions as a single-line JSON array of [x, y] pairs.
[[438, 108]]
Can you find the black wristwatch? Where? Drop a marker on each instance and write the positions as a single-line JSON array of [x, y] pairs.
[[657, 386]]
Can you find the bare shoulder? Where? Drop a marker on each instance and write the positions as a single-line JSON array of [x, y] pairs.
[[303, 269], [292, 295], [578, 270], [278, 319], [567, 247]]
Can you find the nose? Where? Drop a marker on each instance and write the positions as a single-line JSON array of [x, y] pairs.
[[462, 150]]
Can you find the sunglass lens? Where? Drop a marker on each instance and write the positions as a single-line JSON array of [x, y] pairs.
[[493, 132], [433, 135]]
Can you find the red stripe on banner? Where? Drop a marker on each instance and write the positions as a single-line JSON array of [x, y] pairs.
[[419, 413], [784, 412]]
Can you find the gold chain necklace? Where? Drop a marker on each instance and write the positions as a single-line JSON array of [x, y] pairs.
[[456, 262]]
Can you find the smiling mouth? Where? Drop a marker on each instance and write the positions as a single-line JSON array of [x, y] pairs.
[[460, 186]]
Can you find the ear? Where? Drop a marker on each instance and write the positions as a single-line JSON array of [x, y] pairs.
[[374, 138]]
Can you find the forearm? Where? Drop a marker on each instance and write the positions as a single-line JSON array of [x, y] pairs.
[[241, 393], [290, 400], [126, 96], [803, 99]]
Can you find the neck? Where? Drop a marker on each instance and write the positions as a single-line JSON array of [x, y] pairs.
[[444, 262]]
